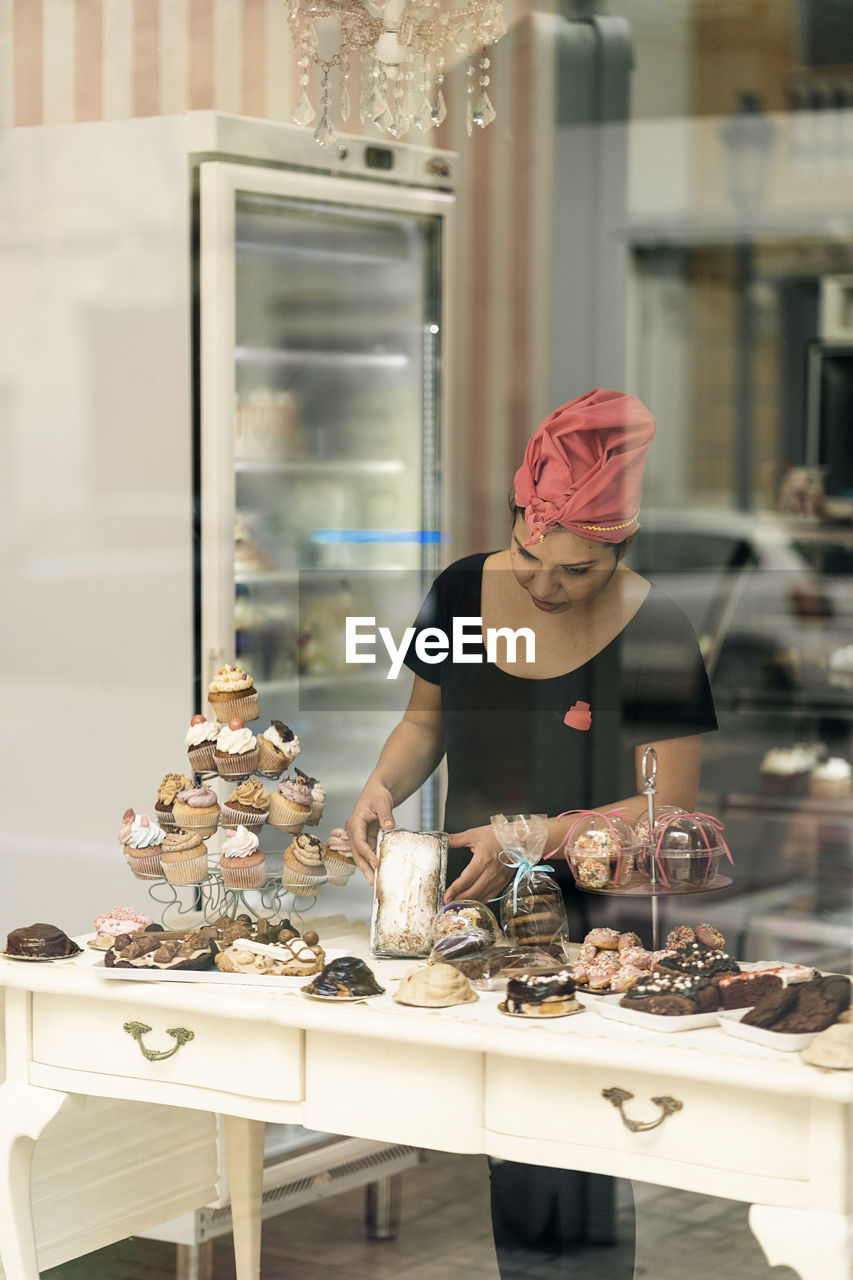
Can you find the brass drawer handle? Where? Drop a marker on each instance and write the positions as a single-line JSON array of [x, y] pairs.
[[179, 1034], [620, 1096]]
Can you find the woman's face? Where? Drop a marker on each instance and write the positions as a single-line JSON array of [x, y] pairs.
[[563, 570]]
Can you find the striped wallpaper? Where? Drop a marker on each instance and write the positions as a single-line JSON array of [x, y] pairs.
[[68, 60]]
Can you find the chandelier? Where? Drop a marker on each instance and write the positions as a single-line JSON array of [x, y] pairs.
[[401, 46]]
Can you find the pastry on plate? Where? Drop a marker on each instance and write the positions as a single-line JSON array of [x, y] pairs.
[[346, 978], [541, 994], [40, 941], [434, 986], [121, 920], [294, 958]]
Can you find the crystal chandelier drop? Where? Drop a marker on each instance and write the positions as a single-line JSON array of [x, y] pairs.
[[401, 46]]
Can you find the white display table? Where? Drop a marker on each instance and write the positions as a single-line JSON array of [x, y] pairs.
[[754, 1125]]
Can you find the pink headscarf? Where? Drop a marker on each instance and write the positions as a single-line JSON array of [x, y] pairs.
[[583, 467]]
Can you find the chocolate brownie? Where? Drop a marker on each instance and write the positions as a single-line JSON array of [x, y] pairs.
[[819, 1003], [771, 1008], [740, 990]]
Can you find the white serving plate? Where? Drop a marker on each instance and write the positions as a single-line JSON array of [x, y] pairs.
[[785, 1042], [610, 1007]]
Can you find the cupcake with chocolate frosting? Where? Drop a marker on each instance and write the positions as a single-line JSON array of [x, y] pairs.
[[304, 867], [278, 747], [166, 792], [248, 805], [184, 857]]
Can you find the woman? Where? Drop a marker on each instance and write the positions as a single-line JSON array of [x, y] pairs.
[[603, 637]]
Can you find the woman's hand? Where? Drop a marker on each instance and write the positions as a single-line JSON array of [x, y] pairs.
[[372, 811], [485, 876]]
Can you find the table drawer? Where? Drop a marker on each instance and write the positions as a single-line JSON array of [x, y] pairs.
[[258, 1059], [716, 1126]]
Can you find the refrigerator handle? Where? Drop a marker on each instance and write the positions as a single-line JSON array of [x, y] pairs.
[[214, 659]]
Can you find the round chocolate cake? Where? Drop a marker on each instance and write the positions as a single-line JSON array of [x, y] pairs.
[[40, 941]]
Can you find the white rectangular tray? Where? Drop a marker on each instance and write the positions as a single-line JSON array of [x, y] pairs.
[[785, 1042], [610, 1007], [214, 976]]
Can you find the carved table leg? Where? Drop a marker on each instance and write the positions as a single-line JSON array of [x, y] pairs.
[[25, 1113], [817, 1245], [244, 1145]]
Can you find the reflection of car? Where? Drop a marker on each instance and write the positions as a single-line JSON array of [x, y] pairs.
[[771, 600]]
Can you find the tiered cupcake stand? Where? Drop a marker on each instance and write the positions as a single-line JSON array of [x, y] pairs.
[[212, 898]]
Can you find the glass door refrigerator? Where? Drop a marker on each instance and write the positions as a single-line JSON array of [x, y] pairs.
[[321, 332]]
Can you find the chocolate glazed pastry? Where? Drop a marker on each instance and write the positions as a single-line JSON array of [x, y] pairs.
[[345, 977], [44, 941]]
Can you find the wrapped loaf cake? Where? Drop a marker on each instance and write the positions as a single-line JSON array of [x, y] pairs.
[[407, 892]]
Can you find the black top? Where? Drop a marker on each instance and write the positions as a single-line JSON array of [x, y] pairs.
[[508, 748]]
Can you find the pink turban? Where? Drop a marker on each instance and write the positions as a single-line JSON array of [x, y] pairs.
[[583, 467]]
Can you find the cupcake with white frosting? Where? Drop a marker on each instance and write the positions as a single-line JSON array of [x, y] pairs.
[[236, 754], [832, 778], [278, 747], [242, 861]]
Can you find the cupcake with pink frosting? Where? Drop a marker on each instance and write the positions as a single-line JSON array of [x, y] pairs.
[[290, 805], [196, 809], [242, 861], [141, 839], [339, 860]]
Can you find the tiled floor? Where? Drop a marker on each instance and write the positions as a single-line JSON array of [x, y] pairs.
[[445, 1231]]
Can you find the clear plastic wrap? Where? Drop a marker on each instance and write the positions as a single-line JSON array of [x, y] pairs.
[[490, 968], [686, 849], [602, 851], [463, 916], [532, 910]]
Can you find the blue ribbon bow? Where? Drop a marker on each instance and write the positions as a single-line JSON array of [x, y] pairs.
[[511, 858]]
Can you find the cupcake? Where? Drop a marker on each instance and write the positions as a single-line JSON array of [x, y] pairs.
[[832, 778], [196, 809], [290, 805], [232, 695], [278, 746], [201, 741], [318, 797], [339, 863], [248, 805], [786, 771], [166, 792], [242, 862], [236, 754], [141, 838], [184, 857], [303, 863]]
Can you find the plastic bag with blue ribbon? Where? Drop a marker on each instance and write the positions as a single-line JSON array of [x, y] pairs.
[[533, 913]]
